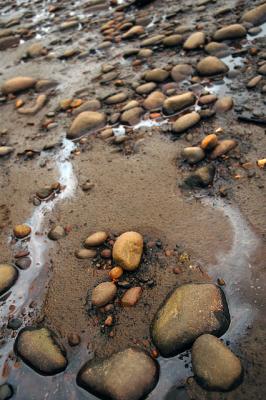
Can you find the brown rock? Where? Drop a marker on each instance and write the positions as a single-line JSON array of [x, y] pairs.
[[18, 84], [156, 75], [256, 16], [21, 231], [86, 121], [234, 31], [127, 250], [103, 294], [211, 66], [172, 40], [96, 239], [154, 101], [84, 254], [223, 147], [131, 297], [185, 122], [133, 32], [224, 104], [116, 98], [194, 41], [178, 102], [8, 276], [209, 142], [132, 116], [181, 71]]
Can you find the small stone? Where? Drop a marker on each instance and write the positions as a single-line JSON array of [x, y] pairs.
[[132, 116], [21, 231], [96, 239], [234, 31], [44, 192], [6, 391], [211, 66], [39, 349], [262, 70], [135, 31], [146, 88], [176, 103], [86, 121], [106, 253], [84, 254], [254, 81], [69, 25], [9, 41], [153, 40], [181, 72], [5, 150], [56, 233], [18, 84], [156, 75], [223, 147], [138, 373], [209, 142], [207, 99], [116, 273], [154, 101], [130, 104], [8, 276], [214, 365], [14, 324], [220, 282], [194, 41], [36, 50], [191, 310], [103, 294], [116, 98], [185, 122], [256, 16], [23, 263], [131, 297], [109, 321], [145, 53], [202, 177], [172, 40], [217, 49], [127, 250], [193, 154], [73, 339], [224, 104], [90, 105]]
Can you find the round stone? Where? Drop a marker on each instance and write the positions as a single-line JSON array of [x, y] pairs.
[[8, 276], [103, 294], [127, 250]]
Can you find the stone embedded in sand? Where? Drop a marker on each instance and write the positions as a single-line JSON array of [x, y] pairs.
[[56, 233], [193, 154], [116, 98], [23, 262], [185, 122], [39, 349], [211, 66], [223, 147], [69, 25], [256, 16], [86, 121], [127, 375], [6, 391], [234, 31], [84, 254], [156, 75], [18, 84], [131, 297], [96, 239], [214, 364], [133, 32], [21, 231], [8, 276], [172, 40], [194, 41], [154, 101], [40, 102], [191, 310], [36, 50], [181, 71], [127, 250], [176, 103], [9, 41], [145, 53], [153, 40], [132, 116], [90, 105], [146, 88], [5, 150], [103, 294], [209, 142], [130, 104], [254, 81], [224, 104], [217, 49], [207, 99], [202, 177]]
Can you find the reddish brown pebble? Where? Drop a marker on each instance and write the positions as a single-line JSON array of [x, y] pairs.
[[108, 321], [177, 270], [220, 282], [154, 353], [106, 253], [131, 297], [73, 339]]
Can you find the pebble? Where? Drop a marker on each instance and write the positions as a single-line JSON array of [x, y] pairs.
[[131, 104], [130, 374], [209, 142], [224, 104], [96, 239], [86, 121], [215, 366], [131, 297], [217, 49], [18, 84], [69, 25], [151, 41], [89, 105], [39, 349], [154, 101], [133, 32], [23, 262], [146, 88], [132, 116], [193, 154], [156, 75], [84, 254], [9, 41], [127, 250], [106, 253], [116, 98], [176, 103], [256, 16], [73, 339], [172, 40], [5, 150], [36, 50], [44, 192], [181, 72], [211, 66], [234, 31], [103, 294], [223, 147], [6, 391], [194, 41], [145, 53], [21, 231], [185, 122], [252, 82], [204, 304], [262, 70], [40, 101], [202, 177], [8, 276], [57, 233], [14, 324], [207, 99], [116, 273]]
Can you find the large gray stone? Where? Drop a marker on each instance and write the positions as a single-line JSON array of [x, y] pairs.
[[190, 311], [128, 375]]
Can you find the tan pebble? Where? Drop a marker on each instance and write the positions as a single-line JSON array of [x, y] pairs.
[[96, 239], [127, 250], [21, 231], [131, 297]]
